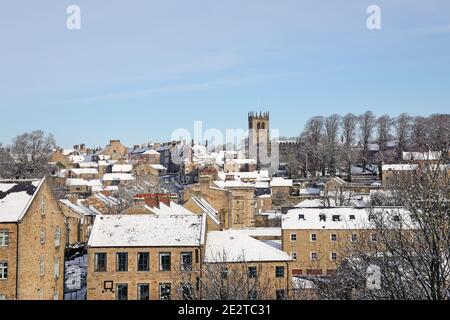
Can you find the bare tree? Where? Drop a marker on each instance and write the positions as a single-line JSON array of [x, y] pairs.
[[420, 134], [402, 127], [383, 135], [349, 123], [410, 258], [331, 141], [237, 280], [338, 197], [30, 153], [6, 163], [312, 137], [367, 123], [224, 279], [440, 133]]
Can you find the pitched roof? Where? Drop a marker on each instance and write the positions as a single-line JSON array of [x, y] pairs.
[[16, 197], [281, 182], [147, 230], [118, 176], [231, 246], [349, 218], [84, 211], [207, 208]]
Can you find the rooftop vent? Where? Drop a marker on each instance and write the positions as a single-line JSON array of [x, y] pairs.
[[322, 217], [336, 218], [352, 217], [301, 217]]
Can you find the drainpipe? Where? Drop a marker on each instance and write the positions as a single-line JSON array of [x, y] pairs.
[[287, 280], [17, 260]]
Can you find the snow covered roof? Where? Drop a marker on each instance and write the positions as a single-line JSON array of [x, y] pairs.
[[262, 185], [231, 246], [207, 208], [76, 159], [173, 209], [349, 218], [152, 151], [281, 182], [76, 182], [271, 214], [310, 203], [262, 175], [422, 156], [77, 208], [15, 198], [147, 231], [90, 164], [66, 152], [244, 161], [118, 176], [111, 188], [232, 184], [158, 166], [260, 231], [122, 168], [84, 171], [107, 200], [309, 191], [399, 167]]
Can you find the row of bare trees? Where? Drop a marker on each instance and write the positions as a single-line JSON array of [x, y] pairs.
[[333, 142]]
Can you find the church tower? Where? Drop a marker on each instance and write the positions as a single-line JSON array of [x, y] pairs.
[[258, 137]]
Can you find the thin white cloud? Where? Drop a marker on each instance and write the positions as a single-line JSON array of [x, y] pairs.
[[191, 87]]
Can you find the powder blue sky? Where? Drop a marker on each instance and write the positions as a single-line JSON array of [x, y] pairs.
[[138, 70]]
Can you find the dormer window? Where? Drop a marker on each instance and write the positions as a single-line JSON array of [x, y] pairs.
[[336, 218], [397, 218], [301, 217], [352, 217], [322, 217]]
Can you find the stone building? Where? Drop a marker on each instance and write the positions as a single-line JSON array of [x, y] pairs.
[[79, 220], [259, 138], [320, 239], [145, 257], [262, 270], [235, 204], [32, 233], [281, 190], [115, 150]]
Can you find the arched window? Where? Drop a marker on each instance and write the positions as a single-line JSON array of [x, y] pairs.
[[263, 126], [258, 126]]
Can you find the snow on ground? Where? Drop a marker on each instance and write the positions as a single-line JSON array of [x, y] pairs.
[[75, 278]]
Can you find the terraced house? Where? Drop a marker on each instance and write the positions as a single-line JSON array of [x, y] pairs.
[[32, 233], [320, 239], [145, 256]]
